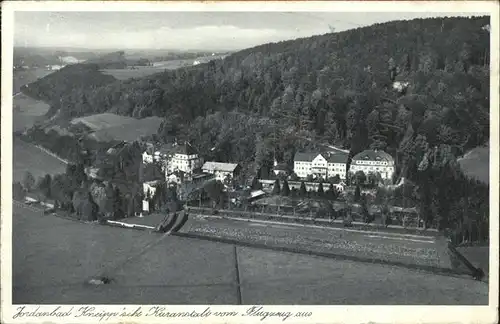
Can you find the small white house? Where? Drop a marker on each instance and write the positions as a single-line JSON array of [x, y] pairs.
[[150, 187], [400, 86], [145, 206]]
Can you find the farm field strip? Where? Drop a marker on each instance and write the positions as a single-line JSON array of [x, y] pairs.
[[422, 237], [66, 253], [425, 253]]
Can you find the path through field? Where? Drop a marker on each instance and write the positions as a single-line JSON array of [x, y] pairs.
[[53, 258]]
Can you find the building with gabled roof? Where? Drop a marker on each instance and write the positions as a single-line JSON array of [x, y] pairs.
[[185, 158], [281, 168], [173, 157], [221, 170], [373, 161], [325, 164]]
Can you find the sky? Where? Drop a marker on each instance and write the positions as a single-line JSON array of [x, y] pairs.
[[213, 31]]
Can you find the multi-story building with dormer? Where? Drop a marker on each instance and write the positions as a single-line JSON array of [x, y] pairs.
[[373, 161], [173, 157], [321, 164]]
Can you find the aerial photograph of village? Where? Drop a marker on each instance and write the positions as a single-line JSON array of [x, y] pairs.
[[304, 158]]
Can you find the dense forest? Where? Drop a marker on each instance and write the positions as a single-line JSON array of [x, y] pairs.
[[414, 88]]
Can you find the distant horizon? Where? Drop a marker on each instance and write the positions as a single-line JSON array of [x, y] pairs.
[[188, 31], [111, 50]]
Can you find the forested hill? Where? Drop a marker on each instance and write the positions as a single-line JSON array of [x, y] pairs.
[[335, 87]]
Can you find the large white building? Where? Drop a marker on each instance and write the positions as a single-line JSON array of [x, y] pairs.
[[220, 170], [173, 158], [325, 165], [373, 161], [184, 159]]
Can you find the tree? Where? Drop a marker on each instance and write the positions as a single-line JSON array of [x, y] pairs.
[[302, 190], [117, 204], [386, 217], [321, 191], [332, 192], [28, 181], [109, 201], [372, 179], [214, 192], [18, 192], [360, 177], [357, 194], [285, 191], [89, 208], [130, 205], [276, 187], [364, 209], [44, 185], [256, 185], [310, 178], [335, 179]]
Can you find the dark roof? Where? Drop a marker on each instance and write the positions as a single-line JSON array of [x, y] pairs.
[[331, 157], [185, 148], [281, 166], [336, 157], [372, 155], [166, 148], [306, 157]]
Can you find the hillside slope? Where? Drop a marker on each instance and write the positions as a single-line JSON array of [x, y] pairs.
[[335, 87], [334, 79], [417, 89]]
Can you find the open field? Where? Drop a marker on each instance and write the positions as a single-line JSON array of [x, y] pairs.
[[109, 127], [476, 164], [389, 247], [30, 111], [100, 121], [22, 78], [129, 131], [142, 71], [159, 66], [27, 157], [52, 259]]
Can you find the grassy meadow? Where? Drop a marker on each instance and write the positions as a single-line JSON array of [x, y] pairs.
[[27, 157], [53, 258], [112, 127]]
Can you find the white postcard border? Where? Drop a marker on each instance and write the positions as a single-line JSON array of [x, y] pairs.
[[320, 314]]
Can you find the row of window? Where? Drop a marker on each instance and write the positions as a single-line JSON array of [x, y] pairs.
[[354, 168], [372, 162], [318, 164]]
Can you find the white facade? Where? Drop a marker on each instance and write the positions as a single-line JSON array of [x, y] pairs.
[[185, 163], [320, 165], [147, 158], [149, 186], [371, 161], [153, 157], [340, 187], [173, 158], [145, 205], [220, 170]]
